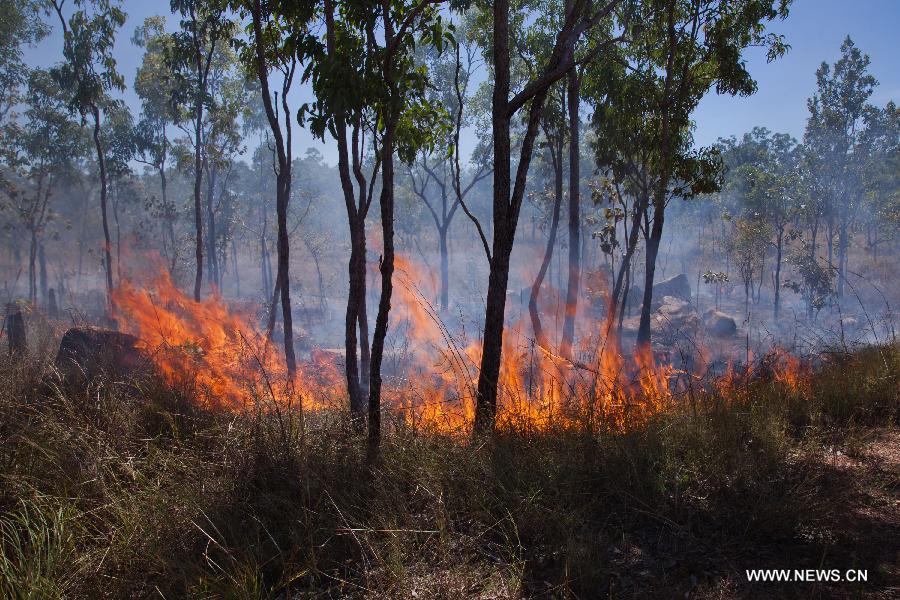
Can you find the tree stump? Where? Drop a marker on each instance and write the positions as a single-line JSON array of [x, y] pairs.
[[52, 307], [90, 351], [15, 329]]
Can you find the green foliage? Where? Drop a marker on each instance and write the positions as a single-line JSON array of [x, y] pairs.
[[363, 81], [89, 70], [38, 549], [20, 25]]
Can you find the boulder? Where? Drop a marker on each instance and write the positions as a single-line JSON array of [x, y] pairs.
[[719, 324], [673, 316], [676, 314], [91, 351], [676, 287]]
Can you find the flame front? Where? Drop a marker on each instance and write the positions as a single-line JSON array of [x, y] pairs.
[[221, 355]]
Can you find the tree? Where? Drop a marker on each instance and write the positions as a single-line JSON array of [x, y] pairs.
[[20, 25], [367, 86], [881, 175], [204, 28], [451, 81], [89, 74], [270, 51], [42, 150], [684, 49], [764, 173], [508, 194], [154, 84], [833, 132], [553, 126], [121, 143]]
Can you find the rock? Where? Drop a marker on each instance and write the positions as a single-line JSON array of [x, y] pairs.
[[677, 287], [719, 324], [676, 314], [673, 316], [90, 351]]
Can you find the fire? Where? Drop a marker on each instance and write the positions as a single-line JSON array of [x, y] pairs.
[[788, 370], [221, 354], [205, 345]]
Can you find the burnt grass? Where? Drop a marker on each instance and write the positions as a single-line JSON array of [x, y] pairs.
[[118, 489]]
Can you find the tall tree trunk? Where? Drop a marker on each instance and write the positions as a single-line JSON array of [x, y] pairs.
[[445, 267], [387, 271], [652, 250], [198, 181], [32, 268], [506, 207], [283, 183], [284, 246], [107, 244], [212, 276], [495, 306], [779, 244], [169, 217], [568, 332], [42, 276], [539, 335]]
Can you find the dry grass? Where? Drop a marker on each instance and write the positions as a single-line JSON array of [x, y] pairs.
[[125, 489]]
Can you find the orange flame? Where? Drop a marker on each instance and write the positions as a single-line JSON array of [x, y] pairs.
[[221, 354]]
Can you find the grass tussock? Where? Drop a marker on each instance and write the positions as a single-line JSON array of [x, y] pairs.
[[126, 489]]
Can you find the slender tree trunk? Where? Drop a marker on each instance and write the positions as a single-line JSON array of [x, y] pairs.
[[652, 250], [284, 193], [779, 244], [212, 275], [387, 272], [539, 335], [283, 183], [624, 267], [42, 276], [495, 306], [445, 267], [169, 217], [568, 332], [234, 266], [506, 207], [198, 210], [32, 268], [107, 244]]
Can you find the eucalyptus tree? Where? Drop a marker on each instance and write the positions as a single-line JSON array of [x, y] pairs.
[[89, 73], [271, 51], [205, 29], [685, 48], [154, 84], [20, 25], [452, 87], [764, 171], [553, 127], [626, 147], [121, 141], [42, 150], [881, 176], [834, 130], [581, 17], [222, 141], [366, 80]]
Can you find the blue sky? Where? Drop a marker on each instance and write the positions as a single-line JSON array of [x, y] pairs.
[[814, 29]]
